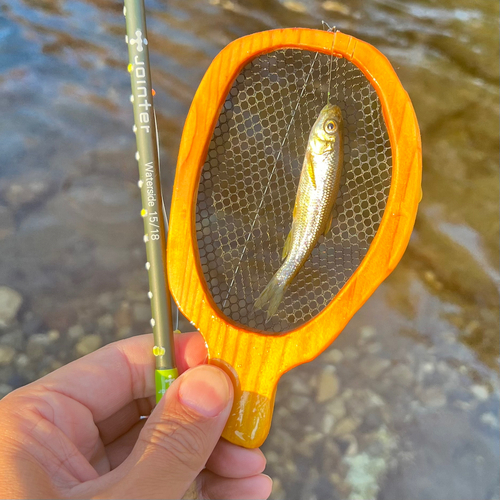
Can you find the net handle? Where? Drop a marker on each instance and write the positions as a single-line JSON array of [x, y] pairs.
[[256, 360]]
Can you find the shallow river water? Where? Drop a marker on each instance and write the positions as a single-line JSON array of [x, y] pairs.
[[405, 404]]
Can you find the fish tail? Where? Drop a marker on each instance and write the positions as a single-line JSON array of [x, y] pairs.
[[272, 294]]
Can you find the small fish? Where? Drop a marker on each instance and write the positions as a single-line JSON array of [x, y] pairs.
[[316, 195]]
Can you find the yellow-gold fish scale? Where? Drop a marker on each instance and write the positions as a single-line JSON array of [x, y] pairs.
[[317, 192]]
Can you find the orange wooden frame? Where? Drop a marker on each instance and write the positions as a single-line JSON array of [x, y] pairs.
[[256, 361]]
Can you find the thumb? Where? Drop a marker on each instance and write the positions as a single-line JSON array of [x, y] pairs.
[[179, 436]]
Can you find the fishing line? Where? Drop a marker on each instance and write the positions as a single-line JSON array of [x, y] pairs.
[[269, 182], [164, 210]]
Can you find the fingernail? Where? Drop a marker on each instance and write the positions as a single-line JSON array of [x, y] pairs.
[[205, 389]]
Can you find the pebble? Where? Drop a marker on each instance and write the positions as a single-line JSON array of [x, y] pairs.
[[295, 6], [328, 385], [307, 446], [123, 332], [123, 316], [336, 409], [433, 397], [351, 354], [7, 354], [7, 226], [106, 323], [346, 426], [299, 386], [480, 392], [336, 7], [75, 332], [432, 280], [373, 348], [327, 423], [88, 344], [367, 332], [491, 420], [10, 302], [278, 492], [5, 389], [402, 375], [30, 189], [13, 339], [297, 403], [37, 344], [373, 367], [22, 361], [351, 445], [333, 356]]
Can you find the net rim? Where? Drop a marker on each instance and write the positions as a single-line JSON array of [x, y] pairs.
[[227, 341]]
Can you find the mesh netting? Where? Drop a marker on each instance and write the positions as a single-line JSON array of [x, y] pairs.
[[249, 182]]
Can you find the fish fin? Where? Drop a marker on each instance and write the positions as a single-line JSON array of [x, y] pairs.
[[273, 293], [288, 245], [310, 171], [328, 224], [294, 213]]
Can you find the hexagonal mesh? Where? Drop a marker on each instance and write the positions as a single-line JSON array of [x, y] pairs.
[[249, 182]]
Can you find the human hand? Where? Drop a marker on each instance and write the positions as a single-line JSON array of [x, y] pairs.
[[78, 432]]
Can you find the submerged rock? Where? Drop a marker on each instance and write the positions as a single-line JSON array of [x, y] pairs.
[[328, 385], [10, 302], [7, 354], [88, 344], [7, 226]]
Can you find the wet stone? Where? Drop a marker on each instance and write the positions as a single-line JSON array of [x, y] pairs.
[[346, 426], [278, 493], [433, 397], [402, 375], [22, 361], [480, 392], [336, 409], [88, 344], [28, 190], [7, 354], [123, 316], [75, 332], [10, 302], [307, 447], [7, 225], [299, 386], [13, 339], [366, 333], [327, 423], [106, 323], [334, 356], [38, 343], [328, 385], [374, 367], [124, 332], [490, 420], [5, 389], [297, 403]]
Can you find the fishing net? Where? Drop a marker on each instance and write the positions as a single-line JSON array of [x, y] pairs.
[[250, 177]]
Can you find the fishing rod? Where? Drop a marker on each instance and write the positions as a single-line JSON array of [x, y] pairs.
[[153, 210]]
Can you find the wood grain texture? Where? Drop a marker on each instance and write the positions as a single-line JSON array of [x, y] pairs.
[[255, 360]]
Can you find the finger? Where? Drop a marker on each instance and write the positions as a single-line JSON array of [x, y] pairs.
[[111, 377], [178, 437], [125, 418], [230, 460], [120, 449], [214, 487]]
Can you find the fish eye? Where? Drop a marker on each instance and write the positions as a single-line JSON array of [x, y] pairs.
[[330, 127]]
